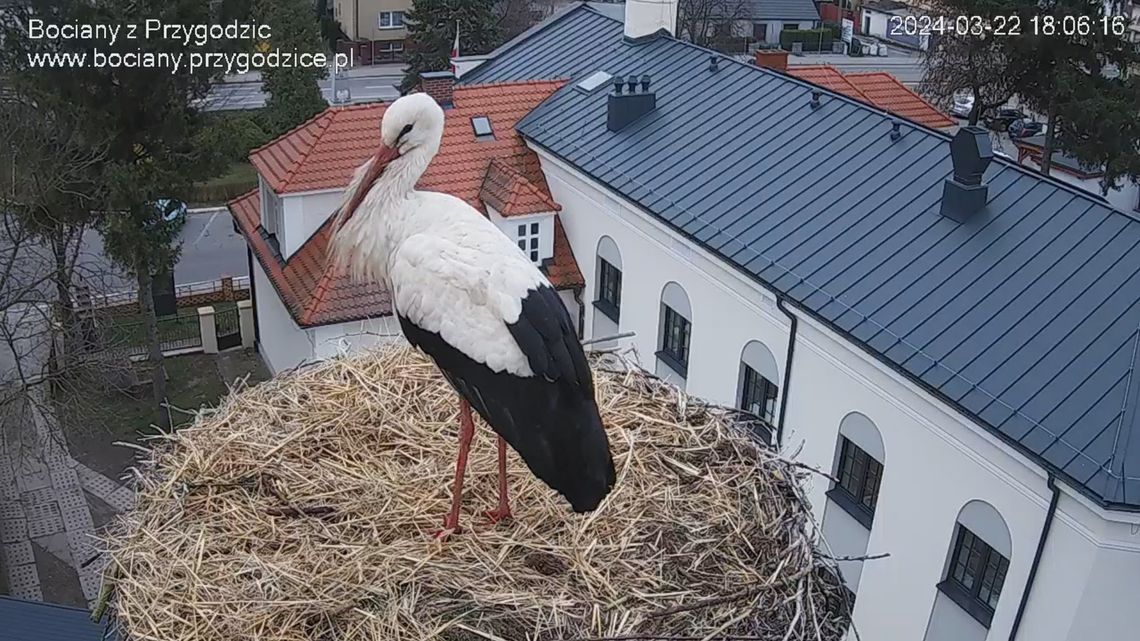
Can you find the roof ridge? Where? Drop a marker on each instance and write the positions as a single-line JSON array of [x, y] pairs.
[[312, 145]]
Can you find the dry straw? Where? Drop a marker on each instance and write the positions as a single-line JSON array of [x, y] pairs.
[[302, 510]]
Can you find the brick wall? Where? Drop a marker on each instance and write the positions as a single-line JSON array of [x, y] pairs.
[[438, 85]]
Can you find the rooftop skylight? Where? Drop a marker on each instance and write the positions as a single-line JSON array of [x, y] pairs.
[[482, 126], [593, 81]]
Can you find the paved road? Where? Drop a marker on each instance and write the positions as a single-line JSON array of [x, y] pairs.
[[904, 65], [362, 84], [210, 250]]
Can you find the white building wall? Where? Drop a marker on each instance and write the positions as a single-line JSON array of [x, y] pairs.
[[333, 340], [877, 21], [648, 264], [1125, 198], [304, 214], [936, 461], [509, 226], [282, 344]]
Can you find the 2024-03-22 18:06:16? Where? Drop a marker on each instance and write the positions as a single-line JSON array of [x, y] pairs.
[[1012, 25]]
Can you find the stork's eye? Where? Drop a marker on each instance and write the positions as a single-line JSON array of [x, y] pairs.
[[403, 132]]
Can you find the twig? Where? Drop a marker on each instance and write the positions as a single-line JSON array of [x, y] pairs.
[[603, 339], [857, 557], [316, 510]]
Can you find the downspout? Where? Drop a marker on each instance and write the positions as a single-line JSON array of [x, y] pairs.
[[1036, 557], [581, 312], [787, 369], [253, 299]]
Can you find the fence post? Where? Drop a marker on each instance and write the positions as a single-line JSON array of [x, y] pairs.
[[208, 329], [227, 288], [245, 322]]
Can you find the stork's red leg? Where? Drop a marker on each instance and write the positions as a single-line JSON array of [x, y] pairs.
[[466, 432], [503, 511]]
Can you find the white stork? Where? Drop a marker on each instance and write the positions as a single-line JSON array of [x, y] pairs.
[[470, 299]]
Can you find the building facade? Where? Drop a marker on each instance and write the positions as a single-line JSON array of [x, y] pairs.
[[377, 22], [947, 336]]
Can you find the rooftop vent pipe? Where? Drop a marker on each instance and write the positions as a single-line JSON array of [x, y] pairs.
[[624, 108], [815, 95], [964, 194], [713, 61], [895, 131]]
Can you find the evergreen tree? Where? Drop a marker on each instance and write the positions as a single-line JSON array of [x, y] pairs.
[[152, 142], [294, 92], [431, 28]]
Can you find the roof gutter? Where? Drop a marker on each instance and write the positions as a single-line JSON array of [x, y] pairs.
[[1036, 556], [787, 369]]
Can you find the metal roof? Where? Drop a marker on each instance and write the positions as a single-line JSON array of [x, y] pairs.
[[765, 10], [35, 621], [1025, 319]]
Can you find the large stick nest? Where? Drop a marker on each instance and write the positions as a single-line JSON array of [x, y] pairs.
[[303, 509]]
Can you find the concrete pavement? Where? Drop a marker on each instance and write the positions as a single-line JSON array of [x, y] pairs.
[[210, 249], [46, 524], [363, 84]]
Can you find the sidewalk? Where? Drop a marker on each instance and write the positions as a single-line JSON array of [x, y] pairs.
[[359, 71]]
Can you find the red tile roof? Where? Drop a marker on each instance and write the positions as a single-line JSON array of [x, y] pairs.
[[828, 77], [876, 88], [889, 94], [511, 194], [322, 153]]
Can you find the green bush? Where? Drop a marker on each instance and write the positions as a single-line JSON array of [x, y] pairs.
[[240, 178], [813, 39]]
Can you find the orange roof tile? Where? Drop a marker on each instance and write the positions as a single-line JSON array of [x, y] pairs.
[[886, 92], [829, 77], [322, 153], [876, 88], [511, 194]]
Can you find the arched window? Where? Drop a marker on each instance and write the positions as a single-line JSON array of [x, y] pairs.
[[758, 387], [674, 330], [852, 499], [980, 550], [607, 298]]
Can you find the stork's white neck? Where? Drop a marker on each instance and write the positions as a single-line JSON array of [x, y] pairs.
[[383, 219]]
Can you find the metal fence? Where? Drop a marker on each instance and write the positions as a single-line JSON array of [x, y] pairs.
[[120, 337], [84, 300]]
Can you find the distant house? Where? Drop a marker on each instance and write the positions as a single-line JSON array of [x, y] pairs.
[[769, 17], [34, 621], [375, 27], [1069, 169], [884, 19], [880, 89]]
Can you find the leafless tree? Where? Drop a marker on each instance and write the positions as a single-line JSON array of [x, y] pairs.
[[956, 63], [704, 22]]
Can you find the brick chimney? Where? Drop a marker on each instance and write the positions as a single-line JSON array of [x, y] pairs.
[[438, 85], [773, 59]]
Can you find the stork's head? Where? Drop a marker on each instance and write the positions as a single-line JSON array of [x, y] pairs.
[[410, 133]]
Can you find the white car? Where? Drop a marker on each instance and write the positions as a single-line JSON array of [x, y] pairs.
[[963, 105]]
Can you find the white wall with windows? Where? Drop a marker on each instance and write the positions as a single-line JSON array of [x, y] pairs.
[[532, 233], [674, 332], [607, 290], [939, 461], [849, 512]]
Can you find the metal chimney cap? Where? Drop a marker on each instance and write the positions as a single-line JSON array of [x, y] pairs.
[[896, 132], [618, 82], [632, 82], [714, 60], [971, 152], [645, 82]]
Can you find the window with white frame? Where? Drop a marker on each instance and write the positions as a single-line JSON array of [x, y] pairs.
[[974, 574], [271, 208], [391, 19], [527, 235]]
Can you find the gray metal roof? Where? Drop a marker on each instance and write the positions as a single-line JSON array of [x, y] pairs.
[[1026, 319], [767, 10], [35, 621]]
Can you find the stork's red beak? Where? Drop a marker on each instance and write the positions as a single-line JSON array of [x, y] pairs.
[[384, 155]]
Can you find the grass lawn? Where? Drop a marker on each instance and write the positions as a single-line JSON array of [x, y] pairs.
[[239, 178], [94, 422]]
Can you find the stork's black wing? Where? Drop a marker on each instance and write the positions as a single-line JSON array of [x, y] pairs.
[[551, 418]]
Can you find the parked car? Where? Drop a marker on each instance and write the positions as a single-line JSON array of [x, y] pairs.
[[171, 210], [1025, 128], [1000, 119], [963, 104]]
